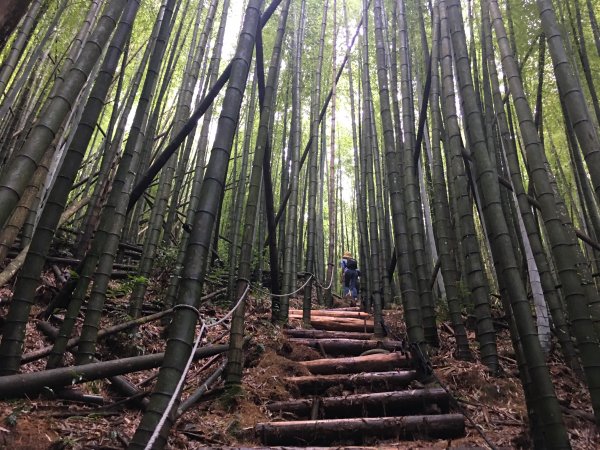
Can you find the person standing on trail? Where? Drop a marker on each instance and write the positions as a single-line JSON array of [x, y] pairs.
[[350, 276]]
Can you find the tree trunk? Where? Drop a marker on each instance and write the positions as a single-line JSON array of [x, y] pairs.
[[12, 338], [235, 358], [181, 333], [565, 258], [546, 404]]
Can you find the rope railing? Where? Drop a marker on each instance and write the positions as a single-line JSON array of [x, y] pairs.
[[264, 291], [203, 328]]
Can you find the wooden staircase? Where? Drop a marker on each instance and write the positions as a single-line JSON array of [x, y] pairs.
[[359, 393]]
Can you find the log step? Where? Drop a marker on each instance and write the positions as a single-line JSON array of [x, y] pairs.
[[375, 381], [369, 363], [331, 313], [358, 431], [339, 323], [324, 334], [381, 404], [345, 447], [348, 346]]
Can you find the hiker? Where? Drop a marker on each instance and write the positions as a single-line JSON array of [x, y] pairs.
[[350, 276]]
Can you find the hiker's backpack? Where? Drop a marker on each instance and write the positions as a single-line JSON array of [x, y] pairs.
[[351, 264]]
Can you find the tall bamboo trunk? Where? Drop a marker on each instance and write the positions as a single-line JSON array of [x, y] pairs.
[[291, 228], [565, 255], [545, 402], [181, 333], [23, 297], [235, 358], [412, 196]]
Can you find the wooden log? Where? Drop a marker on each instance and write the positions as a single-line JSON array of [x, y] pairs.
[[375, 381], [45, 351], [324, 334], [345, 308], [379, 404], [334, 318], [370, 363], [32, 383], [348, 346], [339, 324], [332, 313], [118, 382], [308, 432], [354, 447]]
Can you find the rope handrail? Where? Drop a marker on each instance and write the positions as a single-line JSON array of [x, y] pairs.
[[291, 293], [203, 328]]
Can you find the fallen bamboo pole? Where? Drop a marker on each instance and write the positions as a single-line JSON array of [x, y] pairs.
[[32, 383], [42, 352]]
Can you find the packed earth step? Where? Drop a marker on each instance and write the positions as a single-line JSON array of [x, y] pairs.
[[380, 404], [361, 430], [374, 381], [369, 363], [352, 347]]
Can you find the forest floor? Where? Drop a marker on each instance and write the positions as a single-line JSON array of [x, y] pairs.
[[494, 404]]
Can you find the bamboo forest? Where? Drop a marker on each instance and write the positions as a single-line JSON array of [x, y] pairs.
[[253, 224]]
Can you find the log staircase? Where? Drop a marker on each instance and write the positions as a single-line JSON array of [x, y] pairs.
[[364, 391]]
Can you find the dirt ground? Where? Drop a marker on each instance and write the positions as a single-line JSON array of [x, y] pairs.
[[494, 406]]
